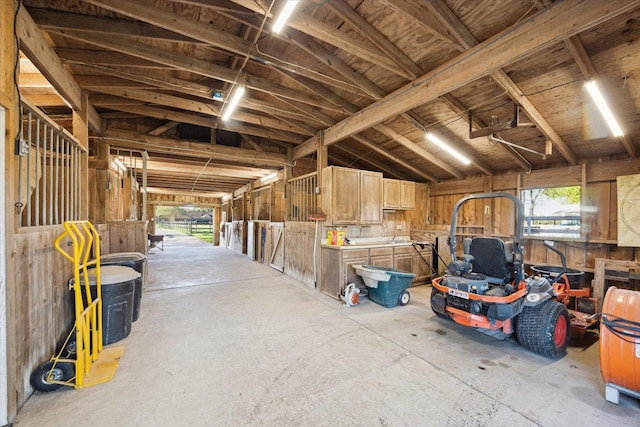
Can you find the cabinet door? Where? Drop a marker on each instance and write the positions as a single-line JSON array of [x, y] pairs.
[[407, 195], [420, 268], [349, 273], [370, 197], [341, 195], [381, 257], [391, 193]]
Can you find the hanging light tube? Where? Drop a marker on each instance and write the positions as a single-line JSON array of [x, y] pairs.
[[449, 149], [284, 15], [235, 99], [592, 87]]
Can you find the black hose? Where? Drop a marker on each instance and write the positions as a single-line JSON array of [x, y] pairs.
[[622, 327]]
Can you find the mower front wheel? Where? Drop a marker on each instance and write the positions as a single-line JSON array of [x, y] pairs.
[[544, 329]]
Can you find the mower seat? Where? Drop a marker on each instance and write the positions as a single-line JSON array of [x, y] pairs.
[[493, 258]]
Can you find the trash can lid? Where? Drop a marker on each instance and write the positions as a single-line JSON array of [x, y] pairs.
[[123, 257], [111, 274]]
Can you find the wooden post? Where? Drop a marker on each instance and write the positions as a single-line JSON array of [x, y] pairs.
[[80, 125], [321, 162], [9, 346]]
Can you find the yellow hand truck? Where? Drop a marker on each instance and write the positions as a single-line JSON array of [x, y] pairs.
[[81, 361]]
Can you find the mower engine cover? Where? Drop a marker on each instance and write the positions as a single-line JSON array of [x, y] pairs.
[[468, 282]]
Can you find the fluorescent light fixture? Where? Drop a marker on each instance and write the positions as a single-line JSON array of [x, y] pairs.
[[449, 149], [235, 99], [284, 15], [592, 87]]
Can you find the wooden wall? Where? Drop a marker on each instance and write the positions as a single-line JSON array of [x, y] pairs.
[[127, 236], [298, 257], [599, 217], [42, 304]]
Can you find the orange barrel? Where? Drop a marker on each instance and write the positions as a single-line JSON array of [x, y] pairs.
[[620, 339]]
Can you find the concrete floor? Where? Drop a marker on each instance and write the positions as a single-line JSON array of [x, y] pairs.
[[223, 341]]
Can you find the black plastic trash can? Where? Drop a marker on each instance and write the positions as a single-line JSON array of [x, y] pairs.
[[118, 285], [138, 262]]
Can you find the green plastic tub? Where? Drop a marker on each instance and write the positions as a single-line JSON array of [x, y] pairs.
[[390, 292]]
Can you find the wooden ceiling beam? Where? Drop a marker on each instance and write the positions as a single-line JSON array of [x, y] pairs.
[[328, 34], [407, 143], [440, 10], [136, 141], [533, 33], [456, 106], [208, 109], [43, 56], [129, 46], [342, 9], [359, 157], [382, 151], [387, 131], [419, 12]]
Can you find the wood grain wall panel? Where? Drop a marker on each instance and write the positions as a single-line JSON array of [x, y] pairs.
[[43, 303], [127, 236], [299, 238]]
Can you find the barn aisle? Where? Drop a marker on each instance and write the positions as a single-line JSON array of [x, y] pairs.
[[223, 341]]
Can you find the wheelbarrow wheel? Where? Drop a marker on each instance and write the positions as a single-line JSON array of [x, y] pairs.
[[41, 379], [404, 297]]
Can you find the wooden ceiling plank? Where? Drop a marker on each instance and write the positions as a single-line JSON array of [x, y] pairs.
[[328, 34], [54, 19], [343, 10], [422, 16], [202, 108], [166, 82], [331, 60], [136, 141], [164, 114], [411, 117], [468, 41], [548, 27], [186, 26], [34, 45], [399, 161], [43, 56], [456, 106], [163, 128], [204, 68], [407, 143], [376, 165]]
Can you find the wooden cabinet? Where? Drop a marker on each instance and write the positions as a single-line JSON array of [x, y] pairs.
[[371, 193], [351, 196], [381, 257], [400, 195], [337, 264], [337, 269], [422, 271], [403, 258]]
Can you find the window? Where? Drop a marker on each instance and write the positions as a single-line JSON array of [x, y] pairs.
[[552, 211]]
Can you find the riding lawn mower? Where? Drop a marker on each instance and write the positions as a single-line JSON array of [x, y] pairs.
[[486, 288]]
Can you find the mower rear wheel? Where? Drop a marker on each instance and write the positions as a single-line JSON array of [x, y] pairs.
[[438, 299], [544, 329]]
